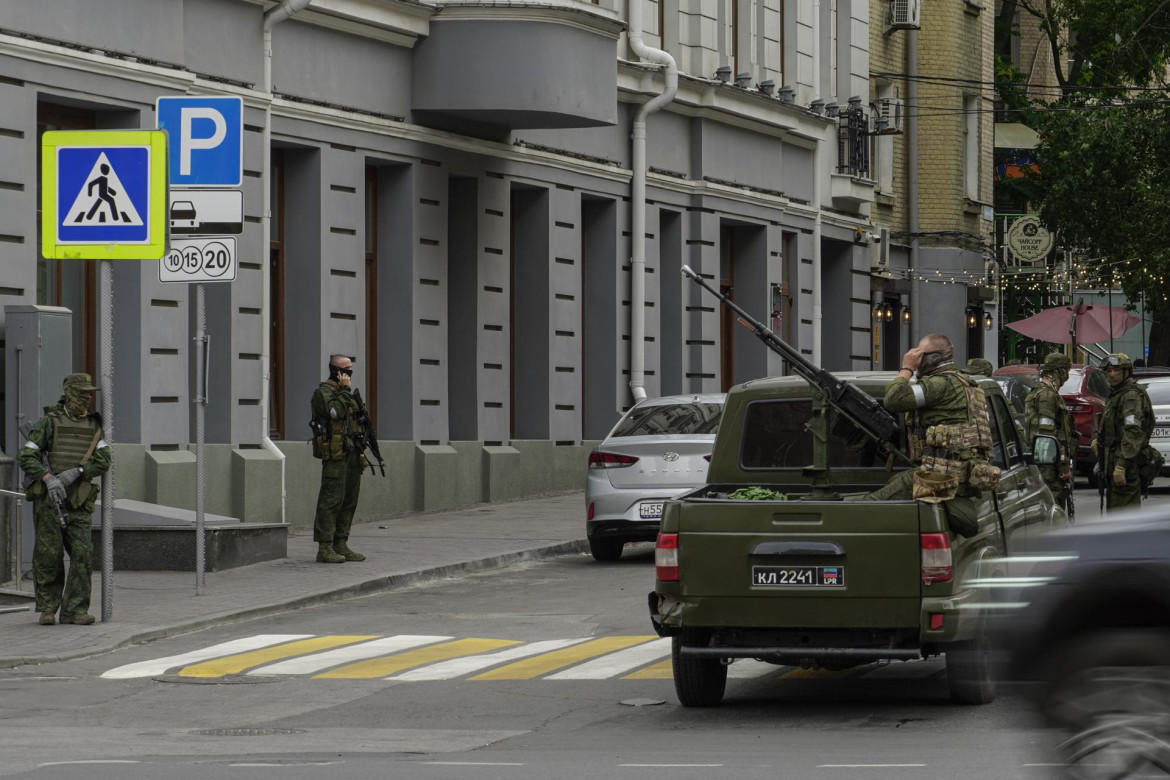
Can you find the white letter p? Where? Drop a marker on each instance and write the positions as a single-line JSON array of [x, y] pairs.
[[188, 143]]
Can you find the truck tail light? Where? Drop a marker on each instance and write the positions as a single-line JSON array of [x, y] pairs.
[[666, 558], [936, 559], [590, 511], [610, 460]]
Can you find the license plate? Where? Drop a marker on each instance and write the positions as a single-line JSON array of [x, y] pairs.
[[1161, 433], [798, 576], [650, 511]]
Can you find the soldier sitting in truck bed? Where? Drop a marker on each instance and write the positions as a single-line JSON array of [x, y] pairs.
[[949, 430]]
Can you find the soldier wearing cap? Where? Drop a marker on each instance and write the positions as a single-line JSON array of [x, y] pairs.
[[64, 452], [1045, 413], [1125, 431], [979, 367]]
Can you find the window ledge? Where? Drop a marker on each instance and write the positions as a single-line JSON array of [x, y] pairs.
[[883, 199]]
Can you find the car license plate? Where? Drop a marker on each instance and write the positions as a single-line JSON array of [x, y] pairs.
[[1161, 433], [650, 510], [798, 576]]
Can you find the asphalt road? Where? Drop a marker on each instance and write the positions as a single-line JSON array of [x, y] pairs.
[[585, 696]]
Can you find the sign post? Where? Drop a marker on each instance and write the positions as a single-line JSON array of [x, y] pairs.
[[207, 156], [104, 196]]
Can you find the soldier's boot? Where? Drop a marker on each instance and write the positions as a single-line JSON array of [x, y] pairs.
[[48, 619], [80, 619], [326, 554], [342, 549]]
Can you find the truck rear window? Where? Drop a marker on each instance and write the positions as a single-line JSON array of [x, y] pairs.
[[775, 436], [661, 419]]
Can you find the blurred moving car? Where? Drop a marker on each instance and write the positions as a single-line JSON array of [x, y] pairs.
[[1085, 394], [1087, 637], [659, 449], [1159, 392]]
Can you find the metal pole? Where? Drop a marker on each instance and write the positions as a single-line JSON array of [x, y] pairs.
[[1111, 349], [106, 314], [200, 405], [17, 552]]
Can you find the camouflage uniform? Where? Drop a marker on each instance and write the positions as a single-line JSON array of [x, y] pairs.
[[1125, 431], [1046, 413], [979, 367], [71, 442], [334, 408], [939, 399]]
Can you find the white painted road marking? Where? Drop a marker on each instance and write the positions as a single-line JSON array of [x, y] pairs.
[[161, 665], [616, 663], [457, 667], [310, 664]]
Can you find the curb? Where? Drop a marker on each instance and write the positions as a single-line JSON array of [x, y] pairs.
[[382, 584]]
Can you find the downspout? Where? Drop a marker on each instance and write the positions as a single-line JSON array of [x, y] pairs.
[[912, 176], [638, 199], [818, 193], [272, 17]]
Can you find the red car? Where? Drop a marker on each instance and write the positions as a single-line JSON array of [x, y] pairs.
[[1085, 394]]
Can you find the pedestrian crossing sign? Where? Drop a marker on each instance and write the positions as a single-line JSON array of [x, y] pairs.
[[104, 194]]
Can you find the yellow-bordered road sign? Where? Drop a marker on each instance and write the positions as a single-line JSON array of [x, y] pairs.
[[104, 194]]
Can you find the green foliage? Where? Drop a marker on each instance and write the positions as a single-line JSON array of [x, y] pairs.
[[757, 493]]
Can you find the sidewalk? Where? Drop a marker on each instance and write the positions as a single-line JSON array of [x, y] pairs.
[[401, 551]]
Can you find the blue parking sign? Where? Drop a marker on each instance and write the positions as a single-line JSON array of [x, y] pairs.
[[206, 140]]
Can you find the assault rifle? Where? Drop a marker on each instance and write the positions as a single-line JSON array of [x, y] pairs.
[[368, 438], [25, 430], [860, 408], [1104, 481]]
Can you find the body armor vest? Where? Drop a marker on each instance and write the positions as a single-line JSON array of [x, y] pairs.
[[72, 440]]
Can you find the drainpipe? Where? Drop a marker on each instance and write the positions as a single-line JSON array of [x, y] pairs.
[[638, 199], [818, 190], [912, 177], [272, 17]]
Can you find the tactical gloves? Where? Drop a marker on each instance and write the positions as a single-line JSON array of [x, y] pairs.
[[1119, 475], [72, 475], [56, 488]]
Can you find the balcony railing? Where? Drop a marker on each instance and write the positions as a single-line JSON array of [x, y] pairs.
[[853, 142]]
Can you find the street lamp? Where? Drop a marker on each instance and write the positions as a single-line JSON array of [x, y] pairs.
[[972, 320], [905, 315], [987, 322]]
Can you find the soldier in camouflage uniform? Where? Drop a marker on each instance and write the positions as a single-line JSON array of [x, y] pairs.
[[69, 438], [335, 443], [946, 416], [1125, 431], [1045, 413], [979, 367]]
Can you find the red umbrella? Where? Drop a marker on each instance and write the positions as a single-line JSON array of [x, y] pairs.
[[1080, 324]]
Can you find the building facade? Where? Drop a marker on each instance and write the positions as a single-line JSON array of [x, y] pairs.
[[450, 189]]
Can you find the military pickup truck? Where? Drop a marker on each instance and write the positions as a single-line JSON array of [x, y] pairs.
[[819, 576]]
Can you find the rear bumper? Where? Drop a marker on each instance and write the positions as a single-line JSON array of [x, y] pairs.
[[626, 530]]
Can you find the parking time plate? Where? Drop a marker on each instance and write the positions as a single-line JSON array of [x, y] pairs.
[[650, 510], [798, 576], [1161, 433]]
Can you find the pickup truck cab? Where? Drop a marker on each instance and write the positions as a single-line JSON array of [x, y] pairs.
[[826, 578]]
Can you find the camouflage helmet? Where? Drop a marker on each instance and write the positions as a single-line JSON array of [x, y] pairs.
[[980, 366], [1119, 359], [83, 382], [1056, 363]]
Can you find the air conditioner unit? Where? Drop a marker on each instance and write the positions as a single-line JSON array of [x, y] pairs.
[[904, 15], [888, 116], [879, 249]]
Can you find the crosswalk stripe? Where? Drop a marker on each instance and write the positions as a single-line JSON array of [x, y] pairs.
[[818, 674], [614, 664], [234, 664], [346, 655], [663, 670], [750, 668], [384, 667], [559, 659], [159, 666], [457, 667]]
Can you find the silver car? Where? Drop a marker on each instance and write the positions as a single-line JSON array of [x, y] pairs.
[[659, 449], [1159, 392]]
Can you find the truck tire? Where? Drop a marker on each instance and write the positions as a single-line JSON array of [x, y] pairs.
[[604, 549], [970, 669], [699, 682]]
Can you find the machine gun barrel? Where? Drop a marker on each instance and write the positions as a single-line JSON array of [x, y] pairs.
[[862, 409]]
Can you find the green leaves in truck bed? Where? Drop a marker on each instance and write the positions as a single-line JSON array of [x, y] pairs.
[[757, 494]]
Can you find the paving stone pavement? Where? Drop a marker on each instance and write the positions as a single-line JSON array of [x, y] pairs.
[[401, 551]]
